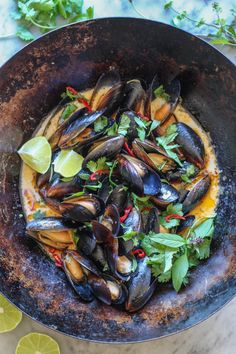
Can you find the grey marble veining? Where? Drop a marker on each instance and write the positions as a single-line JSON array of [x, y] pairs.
[[214, 336]]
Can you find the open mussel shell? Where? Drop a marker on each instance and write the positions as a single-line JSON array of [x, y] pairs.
[[104, 147], [134, 96], [162, 128], [140, 287], [77, 276], [99, 257], [50, 202], [191, 144], [52, 231], [82, 209], [72, 135], [120, 266], [111, 219], [141, 178], [167, 194], [196, 193], [118, 197], [153, 155], [108, 93], [152, 221], [118, 291], [59, 189], [132, 131], [184, 224]]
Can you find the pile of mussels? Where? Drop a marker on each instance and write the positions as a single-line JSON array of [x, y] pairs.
[[99, 264]]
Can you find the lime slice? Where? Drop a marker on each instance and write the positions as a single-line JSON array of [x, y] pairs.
[[37, 154], [37, 343], [10, 317], [68, 163]]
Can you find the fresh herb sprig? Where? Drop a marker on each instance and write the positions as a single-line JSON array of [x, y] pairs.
[[43, 14], [171, 256], [167, 143], [222, 32]]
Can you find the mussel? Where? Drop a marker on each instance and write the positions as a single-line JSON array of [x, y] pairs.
[[108, 93], [167, 194], [78, 132], [83, 208], [140, 177], [52, 231], [152, 221], [118, 197], [184, 224], [153, 155], [187, 169], [196, 193], [87, 242], [107, 147], [132, 223], [140, 287], [59, 189], [134, 96], [191, 144]]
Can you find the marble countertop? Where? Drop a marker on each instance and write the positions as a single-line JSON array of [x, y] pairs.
[[215, 335]]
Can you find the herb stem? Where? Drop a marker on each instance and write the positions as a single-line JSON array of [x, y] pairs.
[[137, 10], [41, 26]]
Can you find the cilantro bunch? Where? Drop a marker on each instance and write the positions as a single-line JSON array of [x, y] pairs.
[[43, 14]]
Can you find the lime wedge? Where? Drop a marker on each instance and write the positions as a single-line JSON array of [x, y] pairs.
[[37, 154], [68, 163], [10, 317], [37, 343]]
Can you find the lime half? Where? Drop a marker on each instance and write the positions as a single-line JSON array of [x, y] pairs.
[[37, 154], [37, 343], [10, 317], [68, 163]]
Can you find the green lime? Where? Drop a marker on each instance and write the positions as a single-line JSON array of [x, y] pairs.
[[37, 343], [10, 317], [37, 154], [68, 163]]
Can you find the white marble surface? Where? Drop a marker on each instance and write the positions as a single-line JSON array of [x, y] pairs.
[[214, 336]]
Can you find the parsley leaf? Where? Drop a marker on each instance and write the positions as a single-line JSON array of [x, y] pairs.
[[124, 125], [100, 124], [160, 92], [24, 34], [100, 164], [190, 171], [179, 271]]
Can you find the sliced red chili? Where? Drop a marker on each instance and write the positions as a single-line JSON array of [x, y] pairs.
[[143, 116], [174, 216], [98, 172], [80, 99], [56, 257], [127, 148], [126, 213], [139, 253]]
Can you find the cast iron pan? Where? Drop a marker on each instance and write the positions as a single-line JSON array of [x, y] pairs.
[[30, 86]]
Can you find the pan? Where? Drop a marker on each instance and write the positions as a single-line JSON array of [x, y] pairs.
[[30, 86]]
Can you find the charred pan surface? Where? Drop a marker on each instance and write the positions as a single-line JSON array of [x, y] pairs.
[[76, 55]]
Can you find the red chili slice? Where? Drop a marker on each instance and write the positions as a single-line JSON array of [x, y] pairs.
[[139, 253], [126, 213], [81, 100], [127, 148], [98, 172], [174, 216]]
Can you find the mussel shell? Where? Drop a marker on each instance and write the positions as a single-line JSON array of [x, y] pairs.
[[195, 195], [87, 242], [167, 194], [152, 221], [105, 147], [141, 178], [140, 287], [111, 219], [104, 191], [176, 174], [184, 224], [108, 93], [118, 197], [74, 208], [99, 257], [82, 288], [132, 223], [134, 95], [85, 262], [162, 128], [77, 127], [60, 189], [100, 288], [191, 144], [123, 293], [51, 202], [50, 223], [132, 131], [46, 241]]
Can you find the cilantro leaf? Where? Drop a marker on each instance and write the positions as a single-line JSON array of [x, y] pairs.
[[160, 92], [128, 235], [171, 209], [153, 126], [112, 130], [124, 125], [69, 109], [140, 202], [164, 277], [179, 271], [165, 140], [100, 124], [100, 164], [23, 33], [190, 171], [168, 5], [203, 250]]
